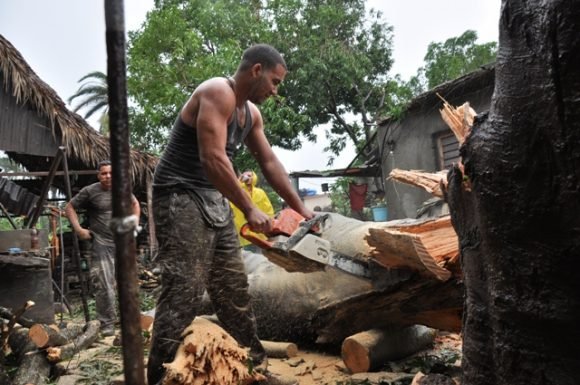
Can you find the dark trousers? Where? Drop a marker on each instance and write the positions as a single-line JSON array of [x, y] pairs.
[[104, 284], [193, 257]]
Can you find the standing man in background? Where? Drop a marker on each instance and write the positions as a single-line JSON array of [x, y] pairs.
[[96, 199], [198, 244]]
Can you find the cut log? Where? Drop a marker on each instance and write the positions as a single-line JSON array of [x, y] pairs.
[[20, 343], [83, 341], [146, 322], [209, 356], [72, 330], [369, 350], [46, 335], [34, 368], [7, 329], [280, 349], [7, 314]]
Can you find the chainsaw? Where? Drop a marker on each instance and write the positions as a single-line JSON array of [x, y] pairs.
[[296, 245]]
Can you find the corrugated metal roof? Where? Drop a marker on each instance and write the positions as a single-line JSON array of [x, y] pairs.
[[15, 199]]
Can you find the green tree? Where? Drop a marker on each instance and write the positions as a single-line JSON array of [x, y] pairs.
[[93, 96], [455, 57], [339, 196], [338, 56]]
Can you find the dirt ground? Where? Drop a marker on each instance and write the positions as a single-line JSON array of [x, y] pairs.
[[102, 364]]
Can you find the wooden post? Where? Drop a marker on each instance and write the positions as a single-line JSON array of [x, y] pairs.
[[125, 242]]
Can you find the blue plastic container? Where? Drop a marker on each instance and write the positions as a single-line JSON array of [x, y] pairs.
[[379, 214]]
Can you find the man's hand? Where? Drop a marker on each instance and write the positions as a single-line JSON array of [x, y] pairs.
[[84, 234], [259, 222], [307, 213]]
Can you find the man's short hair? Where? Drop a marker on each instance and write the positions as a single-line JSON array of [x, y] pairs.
[[103, 163], [264, 54]]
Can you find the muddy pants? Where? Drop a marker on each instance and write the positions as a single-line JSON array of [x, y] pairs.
[[193, 256], [103, 283]]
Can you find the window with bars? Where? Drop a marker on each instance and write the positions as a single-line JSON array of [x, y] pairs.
[[448, 149]]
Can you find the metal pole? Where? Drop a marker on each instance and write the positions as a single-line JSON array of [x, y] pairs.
[[76, 248], [125, 243]]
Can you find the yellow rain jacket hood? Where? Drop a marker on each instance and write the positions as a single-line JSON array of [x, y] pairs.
[[260, 199]]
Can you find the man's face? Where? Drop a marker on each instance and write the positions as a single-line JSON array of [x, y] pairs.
[[267, 82], [105, 177], [246, 177]]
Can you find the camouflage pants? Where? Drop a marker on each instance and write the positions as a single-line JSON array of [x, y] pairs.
[[195, 257], [104, 284]]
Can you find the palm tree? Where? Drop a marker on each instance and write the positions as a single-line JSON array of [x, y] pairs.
[[94, 91]]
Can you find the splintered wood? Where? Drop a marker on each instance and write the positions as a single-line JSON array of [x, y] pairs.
[[433, 183], [459, 119], [209, 356], [429, 247]]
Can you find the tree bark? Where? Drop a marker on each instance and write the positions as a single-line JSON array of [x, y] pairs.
[[7, 314], [519, 225], [33, 369]]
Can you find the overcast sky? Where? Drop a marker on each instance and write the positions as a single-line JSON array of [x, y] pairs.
[[63, 40]]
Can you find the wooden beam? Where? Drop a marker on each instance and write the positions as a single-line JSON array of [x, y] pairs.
[[45, 173]]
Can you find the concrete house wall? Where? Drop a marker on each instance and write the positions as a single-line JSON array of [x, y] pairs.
[[413, 142]]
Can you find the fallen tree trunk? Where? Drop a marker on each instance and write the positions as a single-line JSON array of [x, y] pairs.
[[65, 352], [328, 306], [369, 350], [20, 343]]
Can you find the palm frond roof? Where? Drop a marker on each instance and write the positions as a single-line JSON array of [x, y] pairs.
[[83, 144]]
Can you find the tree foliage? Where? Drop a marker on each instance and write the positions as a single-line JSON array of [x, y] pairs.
[[338, 55], [93, 96], [455, 57]]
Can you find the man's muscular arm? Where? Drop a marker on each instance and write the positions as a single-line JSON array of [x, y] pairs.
[[216, 103], [272, 168]]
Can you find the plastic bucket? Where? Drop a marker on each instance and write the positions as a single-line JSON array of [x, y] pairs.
[[379, 214]]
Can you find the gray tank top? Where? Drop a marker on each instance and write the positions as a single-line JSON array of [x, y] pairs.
[[180, 165]]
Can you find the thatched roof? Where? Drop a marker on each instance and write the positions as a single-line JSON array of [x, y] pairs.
[[85, 147]]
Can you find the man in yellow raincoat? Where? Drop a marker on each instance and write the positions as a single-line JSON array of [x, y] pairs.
[[248, 180]]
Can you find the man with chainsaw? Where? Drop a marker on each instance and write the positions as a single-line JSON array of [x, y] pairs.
[[198, 244]]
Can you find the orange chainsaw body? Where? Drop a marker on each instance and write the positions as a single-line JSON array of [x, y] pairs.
[[286, 222]]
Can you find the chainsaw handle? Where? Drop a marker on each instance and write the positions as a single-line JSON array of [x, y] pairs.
[[261, 243]]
